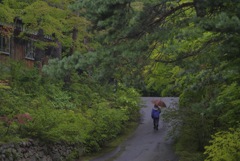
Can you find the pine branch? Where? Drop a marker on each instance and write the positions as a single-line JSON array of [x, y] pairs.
[[190, 54], [170, 12], [164, 15], [153, 20]]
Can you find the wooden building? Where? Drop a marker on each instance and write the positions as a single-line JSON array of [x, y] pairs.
[[24, 48]]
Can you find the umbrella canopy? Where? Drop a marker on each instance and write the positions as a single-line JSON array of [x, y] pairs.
[[159, 103]]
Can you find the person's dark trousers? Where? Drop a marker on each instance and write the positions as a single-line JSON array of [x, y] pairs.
[[155, 123]]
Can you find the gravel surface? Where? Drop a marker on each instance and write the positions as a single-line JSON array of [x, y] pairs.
[[146, 144]]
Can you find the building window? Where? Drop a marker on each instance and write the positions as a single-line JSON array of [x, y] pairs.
[[30, 50], [4, 45]]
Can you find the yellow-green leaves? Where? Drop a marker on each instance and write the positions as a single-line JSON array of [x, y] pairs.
[[6, 14], [40, 15], [225, 146]]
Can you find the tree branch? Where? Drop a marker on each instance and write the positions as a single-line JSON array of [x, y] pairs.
[[187, 55], [161, 18], [170, 12], [155, 20]]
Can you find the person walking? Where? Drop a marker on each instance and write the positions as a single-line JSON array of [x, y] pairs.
[[155, 114]]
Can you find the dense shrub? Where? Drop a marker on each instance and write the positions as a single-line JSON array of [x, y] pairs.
[[57, 125], [107, 123], [224, 146], [77, 111]]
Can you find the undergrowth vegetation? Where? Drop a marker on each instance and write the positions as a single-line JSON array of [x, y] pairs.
[[77, 111]]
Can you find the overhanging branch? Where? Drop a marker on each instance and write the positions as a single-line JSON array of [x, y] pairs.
[[156, 19], [187, 55], [170, 12]]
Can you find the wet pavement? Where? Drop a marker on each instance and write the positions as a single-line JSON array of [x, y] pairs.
[[146, 144]]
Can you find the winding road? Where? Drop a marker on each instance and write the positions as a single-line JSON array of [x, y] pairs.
[[146, 144]]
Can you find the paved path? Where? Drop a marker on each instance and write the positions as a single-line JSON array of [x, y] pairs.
[[146, 144]]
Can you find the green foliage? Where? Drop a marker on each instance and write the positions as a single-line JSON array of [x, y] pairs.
[[228, 105], [104, 13], [224, 146], [191, 131], [6, 14], [104, 108], [57, 125], [53, 17], [127, 99], [112, 60], [80, 111], [160, 77], [107, 125], [39, 15]]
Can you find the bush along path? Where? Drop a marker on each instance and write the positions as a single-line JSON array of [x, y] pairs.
[[146, 144]]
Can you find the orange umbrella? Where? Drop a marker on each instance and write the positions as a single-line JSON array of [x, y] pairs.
[[159, 103]]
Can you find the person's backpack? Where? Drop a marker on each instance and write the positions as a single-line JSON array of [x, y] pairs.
[[156, 113]]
